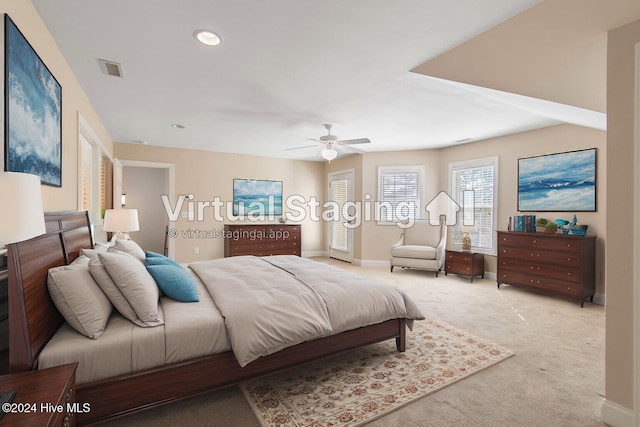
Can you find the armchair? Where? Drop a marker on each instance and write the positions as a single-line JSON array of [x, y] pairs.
[[420, 246]]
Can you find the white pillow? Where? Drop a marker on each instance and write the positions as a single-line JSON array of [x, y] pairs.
[[108, 286], [136, 285], [130, 247], [79, 299]]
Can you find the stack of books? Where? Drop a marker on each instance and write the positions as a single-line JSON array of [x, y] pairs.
[[522, 223]]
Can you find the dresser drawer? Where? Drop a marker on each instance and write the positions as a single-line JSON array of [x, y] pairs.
[[555, 257], [540, 241], [571, 289]]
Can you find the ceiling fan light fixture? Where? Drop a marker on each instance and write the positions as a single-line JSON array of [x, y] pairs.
[[329, 153], [207, 37]]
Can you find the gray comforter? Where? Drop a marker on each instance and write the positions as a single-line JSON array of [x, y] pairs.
[[280, 301]]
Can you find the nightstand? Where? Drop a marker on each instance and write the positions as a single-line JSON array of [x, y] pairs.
[[43, 398], [469, 264]]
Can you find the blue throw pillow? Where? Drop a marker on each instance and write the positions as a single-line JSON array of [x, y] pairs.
[[175, 282], [152, 258]]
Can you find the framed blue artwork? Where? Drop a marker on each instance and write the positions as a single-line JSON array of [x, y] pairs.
[[560, 182], [33, 111], [256, 197]]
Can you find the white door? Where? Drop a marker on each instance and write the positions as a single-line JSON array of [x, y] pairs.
[[340, 234]]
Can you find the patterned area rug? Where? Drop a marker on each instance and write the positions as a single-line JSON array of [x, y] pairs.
[[367, 383]]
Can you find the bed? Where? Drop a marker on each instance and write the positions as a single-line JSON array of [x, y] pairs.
[[36, 324]]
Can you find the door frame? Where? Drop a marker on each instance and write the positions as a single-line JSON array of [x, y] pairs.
[[350, 231], [118, 164]]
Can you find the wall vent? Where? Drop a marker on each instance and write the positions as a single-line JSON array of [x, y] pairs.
[[110, 68]]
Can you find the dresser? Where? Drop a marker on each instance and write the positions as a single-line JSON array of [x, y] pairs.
[[262, 239], [559, 264], [468, 264]]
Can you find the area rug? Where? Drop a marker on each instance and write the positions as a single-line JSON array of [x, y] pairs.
[[357, 387]]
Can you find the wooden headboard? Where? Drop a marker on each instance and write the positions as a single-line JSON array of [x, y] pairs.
[[33, 318]]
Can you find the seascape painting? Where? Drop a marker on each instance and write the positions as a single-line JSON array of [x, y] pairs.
[[558, 182], [256, 197], [33, 117]]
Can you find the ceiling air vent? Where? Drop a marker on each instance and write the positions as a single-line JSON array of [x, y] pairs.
[[110, 68]]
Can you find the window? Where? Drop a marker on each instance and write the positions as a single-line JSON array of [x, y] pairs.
[[473, 185], [399, 193], [93, 175]]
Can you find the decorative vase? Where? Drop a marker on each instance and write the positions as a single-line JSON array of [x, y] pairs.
[[466, 242]]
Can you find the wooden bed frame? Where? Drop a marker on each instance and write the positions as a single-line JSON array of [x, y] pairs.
[[33, 319]]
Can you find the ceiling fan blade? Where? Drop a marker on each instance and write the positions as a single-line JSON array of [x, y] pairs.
[[299, 148], [351, 149], [354, 141]]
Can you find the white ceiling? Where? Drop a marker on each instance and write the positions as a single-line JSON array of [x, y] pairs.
[[285, 67]]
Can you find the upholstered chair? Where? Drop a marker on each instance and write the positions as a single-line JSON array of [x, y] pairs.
[[420, 246]]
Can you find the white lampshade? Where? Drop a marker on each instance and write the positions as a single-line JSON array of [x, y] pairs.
[[22, 215], [124, 220], [329, 153]]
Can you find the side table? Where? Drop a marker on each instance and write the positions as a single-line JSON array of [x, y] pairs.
[[469, 264], [43, 398]]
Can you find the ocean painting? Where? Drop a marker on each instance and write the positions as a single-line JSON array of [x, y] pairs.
[[33, 102], [256, 197], [558, 182]]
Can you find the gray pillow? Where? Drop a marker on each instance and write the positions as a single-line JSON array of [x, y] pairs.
[[108, 286], [130, 247], [79, 299], [98, 247], [136, 285]]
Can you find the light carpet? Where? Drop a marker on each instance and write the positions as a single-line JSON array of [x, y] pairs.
[[364, 384]]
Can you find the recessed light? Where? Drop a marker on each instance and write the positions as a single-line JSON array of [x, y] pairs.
[[177, 126], [207, 37]]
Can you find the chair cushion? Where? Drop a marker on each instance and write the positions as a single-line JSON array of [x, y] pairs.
[[414, 251]]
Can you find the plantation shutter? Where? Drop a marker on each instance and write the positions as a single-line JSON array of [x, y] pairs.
[[85, 154]]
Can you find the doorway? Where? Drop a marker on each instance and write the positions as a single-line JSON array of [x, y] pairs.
[[141, 185], [340, 233]]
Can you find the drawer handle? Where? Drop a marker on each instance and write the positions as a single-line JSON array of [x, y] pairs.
[[569, 259], [535, 241], [568, 245]]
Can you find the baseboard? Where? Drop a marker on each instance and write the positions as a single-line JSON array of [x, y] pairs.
[[313, 254], [616, 415], [600, 299], [490, 275]]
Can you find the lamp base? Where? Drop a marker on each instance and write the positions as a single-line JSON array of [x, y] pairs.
[[120, 235]]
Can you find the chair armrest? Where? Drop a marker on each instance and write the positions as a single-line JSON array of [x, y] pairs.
[[441, 247], [400, 241]]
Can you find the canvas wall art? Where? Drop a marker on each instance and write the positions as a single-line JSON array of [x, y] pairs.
[[33, 111], [560, 182], [257, 197]]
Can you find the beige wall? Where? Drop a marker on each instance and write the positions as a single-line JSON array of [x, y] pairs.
[[207, 175], [74, 101], [620, 213]]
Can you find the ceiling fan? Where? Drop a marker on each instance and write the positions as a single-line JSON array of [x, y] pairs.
[[330, 141]]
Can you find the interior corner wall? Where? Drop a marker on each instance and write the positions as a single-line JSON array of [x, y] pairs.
[[74, 100], [621, 77]]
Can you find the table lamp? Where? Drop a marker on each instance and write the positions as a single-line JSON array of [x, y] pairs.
[[22, 214], [466, 239], [121, 222]]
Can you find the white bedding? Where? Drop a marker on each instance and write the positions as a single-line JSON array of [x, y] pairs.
[[287, 301]]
